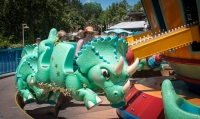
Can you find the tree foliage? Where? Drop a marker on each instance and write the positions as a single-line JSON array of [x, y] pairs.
[[115, 13], [42, 15], [136, 7], [91, 10], [39, 15]]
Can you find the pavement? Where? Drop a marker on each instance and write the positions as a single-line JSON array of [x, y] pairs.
[[7, 75], [8, 107], [71, 110]]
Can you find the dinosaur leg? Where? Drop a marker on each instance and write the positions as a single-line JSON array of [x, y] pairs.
[[89, 97], [140, 66], [78, 91], [156, 69], [24, 91], [53, 97], [41, 93], [161, 67]]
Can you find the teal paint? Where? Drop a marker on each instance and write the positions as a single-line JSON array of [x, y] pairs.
[[183, 14], [198, 9], [163, 14], [193, 52], [157, 10], [154, 14]]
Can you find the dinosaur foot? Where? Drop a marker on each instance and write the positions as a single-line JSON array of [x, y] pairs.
[[53, 98], [29, 98], [90, 103]]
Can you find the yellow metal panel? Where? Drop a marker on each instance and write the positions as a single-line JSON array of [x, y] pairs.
[[166, 42], [183, 53], [172, 13], [149, 10], [137, 36]]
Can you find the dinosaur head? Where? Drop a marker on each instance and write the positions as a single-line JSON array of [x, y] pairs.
[[104, 63]]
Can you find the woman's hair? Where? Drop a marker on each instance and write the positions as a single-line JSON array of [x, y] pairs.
[[61, 33], [82, 33]]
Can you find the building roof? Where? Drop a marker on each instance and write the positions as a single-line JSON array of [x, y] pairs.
[[129, 25]]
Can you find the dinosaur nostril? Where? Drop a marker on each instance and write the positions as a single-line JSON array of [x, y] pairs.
[[115, 93]]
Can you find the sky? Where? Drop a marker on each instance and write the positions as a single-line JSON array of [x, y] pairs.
[[106, 3]]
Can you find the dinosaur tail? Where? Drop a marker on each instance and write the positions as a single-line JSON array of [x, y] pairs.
[[176, 107]]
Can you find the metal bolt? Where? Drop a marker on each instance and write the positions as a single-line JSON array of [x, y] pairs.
[[132, 110]]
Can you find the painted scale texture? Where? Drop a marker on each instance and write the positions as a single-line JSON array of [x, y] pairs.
[[177, 107], [46, 71]]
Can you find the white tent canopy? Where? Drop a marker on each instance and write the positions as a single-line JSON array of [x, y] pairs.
[[129, 25]]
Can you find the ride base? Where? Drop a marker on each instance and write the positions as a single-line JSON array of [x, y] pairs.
[[144, 99]]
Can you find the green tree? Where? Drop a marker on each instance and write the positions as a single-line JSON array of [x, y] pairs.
[[75, 20], [116, 13], [40, 16], [91, 10], [136, 7], [77, 5]]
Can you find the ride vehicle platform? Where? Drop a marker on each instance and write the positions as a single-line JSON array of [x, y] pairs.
[[144, 99]]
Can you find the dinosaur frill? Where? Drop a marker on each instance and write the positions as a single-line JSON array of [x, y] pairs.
[[102, 50]]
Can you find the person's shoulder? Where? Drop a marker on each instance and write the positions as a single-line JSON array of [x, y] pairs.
[[80, 41]]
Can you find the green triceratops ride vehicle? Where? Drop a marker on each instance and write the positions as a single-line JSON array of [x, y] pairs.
[[46, 71]]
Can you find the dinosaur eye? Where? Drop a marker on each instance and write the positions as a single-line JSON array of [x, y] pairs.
[[105, 73]]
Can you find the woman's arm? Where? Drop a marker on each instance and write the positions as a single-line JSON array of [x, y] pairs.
[[78, 47]]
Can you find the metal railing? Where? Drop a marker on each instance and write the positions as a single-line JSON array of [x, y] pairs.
[[9, 60]]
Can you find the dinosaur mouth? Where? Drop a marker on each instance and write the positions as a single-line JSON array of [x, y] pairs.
[[112, 101]]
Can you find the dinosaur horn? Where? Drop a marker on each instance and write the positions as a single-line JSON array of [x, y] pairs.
[[118, 68], [131, 69], [127, 86]]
